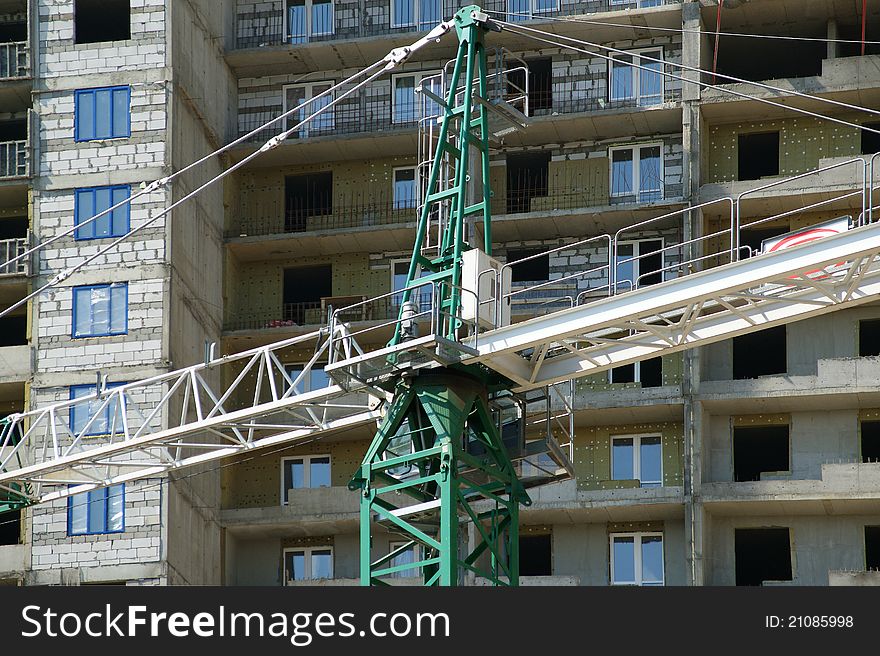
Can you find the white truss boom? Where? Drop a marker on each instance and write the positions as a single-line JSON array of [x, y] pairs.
[[767, 290]]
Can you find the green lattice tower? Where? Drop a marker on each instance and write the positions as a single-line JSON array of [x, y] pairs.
[[467, 118], [457, 461]]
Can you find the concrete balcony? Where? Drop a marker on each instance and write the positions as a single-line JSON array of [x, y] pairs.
[[309, 511], [844, 488], [14, 559], [15, 363], [852, 382], [563, 503]]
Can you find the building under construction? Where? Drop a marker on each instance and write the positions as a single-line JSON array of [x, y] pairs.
[[633, 143]]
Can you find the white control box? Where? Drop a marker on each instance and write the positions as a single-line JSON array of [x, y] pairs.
[[479, 278]]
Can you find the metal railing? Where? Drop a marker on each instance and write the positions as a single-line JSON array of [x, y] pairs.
[[323, 214], [14, 60], [261, 28], [9, 249], [14, 159]]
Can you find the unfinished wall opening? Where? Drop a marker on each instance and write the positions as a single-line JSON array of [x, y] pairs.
[[534, 270], [14, 130], [535, 555], [10, 528], [870, 140], [304, 287], [762, 554], [758, 449], [528, 176], [13, 227], [13, 31], [762, 353], [13, 330], [851, 34], [540, 82], [307, 196], [757, 155], [772, 59], [101, 20], [869, 338], [870, 441], [872, 547], [647, 372]]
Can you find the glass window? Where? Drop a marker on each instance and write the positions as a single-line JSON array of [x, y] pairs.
[[317, 378], [633, 76], [100, 310], [89, 202], [409, 107], [622, 87], [295, 95], [637, 457], [637, 172], [102, 113], [522, 10], [304, 472], [306, 18], [106, 417], [308, 564], [409, 555], [404, 188], [97, 511], [637, 559]]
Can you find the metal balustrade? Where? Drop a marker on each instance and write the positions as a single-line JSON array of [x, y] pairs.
[[9, 249]]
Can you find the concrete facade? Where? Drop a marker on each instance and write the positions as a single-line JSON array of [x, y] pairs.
[[205, 72]]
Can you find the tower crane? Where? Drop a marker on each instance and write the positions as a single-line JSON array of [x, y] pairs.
[[449, 390]]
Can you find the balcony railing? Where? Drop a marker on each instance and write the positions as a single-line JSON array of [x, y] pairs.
[[14, 60], [314, 22], [313, 313], [286, 218], [13, 159], [9, 249]]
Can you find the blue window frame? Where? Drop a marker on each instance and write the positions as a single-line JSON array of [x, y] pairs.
[[89, 202], [102, 113], [100, 310], [97, 511], [82, 413]]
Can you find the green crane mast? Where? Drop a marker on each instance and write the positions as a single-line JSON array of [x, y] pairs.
[[457, 471]]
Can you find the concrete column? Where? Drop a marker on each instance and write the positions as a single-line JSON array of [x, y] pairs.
[[833, 33]]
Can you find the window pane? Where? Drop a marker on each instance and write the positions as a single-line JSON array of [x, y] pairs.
[[121, 110], [650, 81], [626, 267], [294, 475], [624, 560], [404, 188], [295, 565], [295, 97], [79, 504], [429, 13], [322, 17], [650, 184], [651, 454], [85, 209], [82, 299], [403, 13], [622, 459], [121, 215], [319, 472], [296, 23], [318, 378], [404, 99], [115, 504], [85, 115], [518, 10], [428, 107], [621, 78], [97, 510], [99, 301], [102, 202], [622, 172], [404, 558], [322, 122], [652, 559], [118, 308], [545, 5], [103, 101], [322, 564]]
